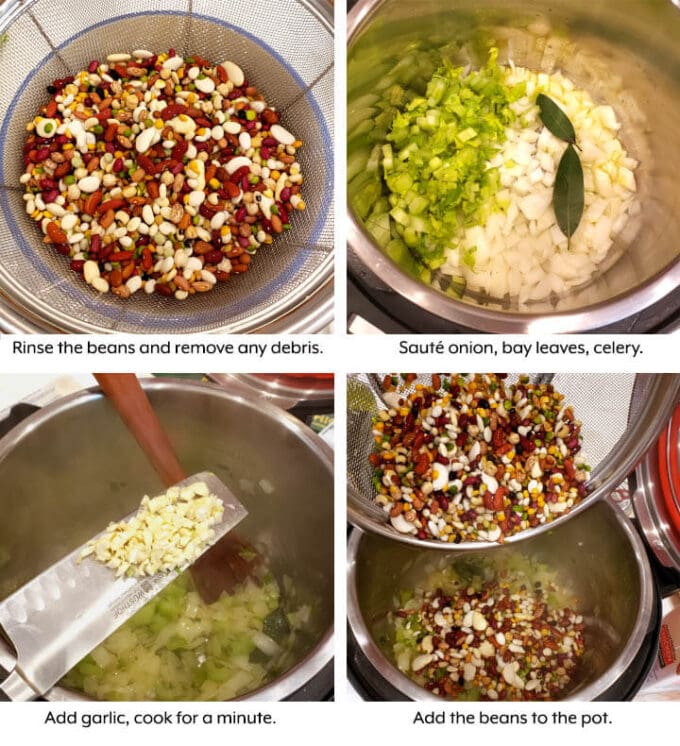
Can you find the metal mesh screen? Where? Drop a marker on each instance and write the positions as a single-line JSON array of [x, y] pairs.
[[604, 402], [286, 50]]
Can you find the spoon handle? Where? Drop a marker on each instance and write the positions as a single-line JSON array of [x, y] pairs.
[[128, 397]]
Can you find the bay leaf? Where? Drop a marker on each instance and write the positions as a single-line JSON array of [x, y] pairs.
[[568, 194], [555, 119]]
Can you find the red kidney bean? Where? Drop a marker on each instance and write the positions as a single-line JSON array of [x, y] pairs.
[[239, 174], [207, 210], [77, 265], [180, 149], [214, 257]]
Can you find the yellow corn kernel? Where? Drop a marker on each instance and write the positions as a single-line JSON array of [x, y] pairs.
[[214, 183], [158, 124], [224, 230]]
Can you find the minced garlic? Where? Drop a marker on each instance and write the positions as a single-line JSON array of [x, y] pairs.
[[167, 532]]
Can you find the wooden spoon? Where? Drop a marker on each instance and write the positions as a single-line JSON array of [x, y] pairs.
[[231, 560]]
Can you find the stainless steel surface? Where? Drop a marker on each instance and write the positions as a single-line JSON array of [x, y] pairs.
[[289, 288], [636, 42], [599, 555], [279, 389], [73, 466], [622, 414], [62, 614], [650, 508]]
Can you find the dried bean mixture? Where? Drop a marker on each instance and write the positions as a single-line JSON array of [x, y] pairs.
[[475, 458], [499, 639], [160, 173]]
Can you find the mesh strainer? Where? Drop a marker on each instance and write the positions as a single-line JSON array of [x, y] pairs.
[[622, 414], [286, 50]]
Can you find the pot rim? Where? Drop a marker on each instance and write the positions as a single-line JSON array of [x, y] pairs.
[[322, 653], [594, 690], [651, 511], [585, 318]]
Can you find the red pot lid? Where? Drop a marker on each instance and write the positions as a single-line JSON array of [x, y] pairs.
[[669, 468]]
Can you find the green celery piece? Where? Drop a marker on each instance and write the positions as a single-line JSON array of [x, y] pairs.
[[379, 227], [363, 199], [177, 642], [215, 672], [242, 645], [144, 615], [88, 667], [373, 162]]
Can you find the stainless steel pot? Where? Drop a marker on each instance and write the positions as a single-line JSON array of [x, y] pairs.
[[638, 43], [72, 467], [598, 554]]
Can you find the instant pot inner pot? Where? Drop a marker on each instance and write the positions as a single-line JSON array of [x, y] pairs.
[[79, 468], [52, 39], [626, 55], [592, 556]]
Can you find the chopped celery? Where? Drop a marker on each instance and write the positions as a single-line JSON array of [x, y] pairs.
[[443, 142], [456, 290], [379, 227], [179, 648]]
